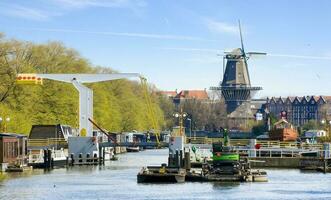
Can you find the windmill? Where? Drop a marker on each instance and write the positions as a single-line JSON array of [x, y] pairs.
[[236, 87]]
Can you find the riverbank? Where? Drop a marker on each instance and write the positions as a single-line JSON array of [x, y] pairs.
[[117, 180]]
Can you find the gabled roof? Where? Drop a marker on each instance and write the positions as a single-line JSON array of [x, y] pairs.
[[326, 98], [281, 121], [316, 98], [280, 99], [305, 98], [313, 98], [273, 99], [12, 135], [289, 100]]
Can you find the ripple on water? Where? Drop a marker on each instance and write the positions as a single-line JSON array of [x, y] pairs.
[[117, 180]]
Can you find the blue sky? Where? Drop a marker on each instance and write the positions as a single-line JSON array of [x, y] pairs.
[[175, 43]]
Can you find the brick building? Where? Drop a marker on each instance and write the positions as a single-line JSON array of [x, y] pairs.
[[299, 110]]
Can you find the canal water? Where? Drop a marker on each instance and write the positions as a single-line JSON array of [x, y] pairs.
[[117, 180]]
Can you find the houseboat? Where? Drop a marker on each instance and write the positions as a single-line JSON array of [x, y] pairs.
[[13, 151]]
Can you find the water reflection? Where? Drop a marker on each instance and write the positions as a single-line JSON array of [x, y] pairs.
[[225, 185], [118, 180]]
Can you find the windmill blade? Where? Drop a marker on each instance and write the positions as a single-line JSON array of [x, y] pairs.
[[256, 54], [243, 53], [251, 53], [241, 38]]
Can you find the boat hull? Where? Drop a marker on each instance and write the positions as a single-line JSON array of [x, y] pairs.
[[56, 163], [160, 178]]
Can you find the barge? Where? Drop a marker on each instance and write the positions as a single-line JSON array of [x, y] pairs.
[[162, 174]]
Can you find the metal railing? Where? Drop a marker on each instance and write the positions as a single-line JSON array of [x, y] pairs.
[[38, 157], [280, 152], [263, 143]]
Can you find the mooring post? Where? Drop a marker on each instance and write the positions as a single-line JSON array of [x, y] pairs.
[[100, 151], [88, 157], [49, 158], [252, 151], [80, 157], [326, 149], [181, 163], [45, 158], [187, 161], [72, 159], [103, 155], [177, 158]]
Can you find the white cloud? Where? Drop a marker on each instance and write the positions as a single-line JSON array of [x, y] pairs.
[[124, 34], [25, 12], [78, 4], [53, 8], [194, 49], [221, 27]]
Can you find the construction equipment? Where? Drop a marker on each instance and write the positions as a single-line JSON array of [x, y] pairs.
[[104, 131], [150, 110]]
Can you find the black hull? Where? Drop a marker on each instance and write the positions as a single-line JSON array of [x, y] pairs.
[[159, 178], [56, 163]]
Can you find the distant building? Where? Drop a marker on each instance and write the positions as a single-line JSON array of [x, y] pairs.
[[299, 110], [170, 94], [258, 105], [185, 95], [315, 133]]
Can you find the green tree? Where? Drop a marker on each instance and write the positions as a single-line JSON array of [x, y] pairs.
[[118, 105]]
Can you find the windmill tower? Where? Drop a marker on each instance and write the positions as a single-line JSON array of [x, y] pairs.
[[236, 87]]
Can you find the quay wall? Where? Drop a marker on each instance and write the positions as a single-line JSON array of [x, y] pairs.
[[284, 162]]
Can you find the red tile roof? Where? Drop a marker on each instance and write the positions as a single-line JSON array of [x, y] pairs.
[[327, 98], [193, 94], [169, 93]]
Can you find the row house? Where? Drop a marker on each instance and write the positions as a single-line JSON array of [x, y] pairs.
[[299, 110]]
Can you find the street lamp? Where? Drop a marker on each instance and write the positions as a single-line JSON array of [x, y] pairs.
[[181, 115], [188, 119]]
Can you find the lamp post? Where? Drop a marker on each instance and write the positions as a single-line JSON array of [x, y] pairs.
[[190, 126], [181, 115]]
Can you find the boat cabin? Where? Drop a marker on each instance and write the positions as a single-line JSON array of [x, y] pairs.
[[49, 136], [13, 149]]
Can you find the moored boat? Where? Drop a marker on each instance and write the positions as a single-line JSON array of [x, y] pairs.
[[161, 174]]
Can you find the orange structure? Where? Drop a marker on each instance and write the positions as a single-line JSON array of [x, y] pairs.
[[283, 131]]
